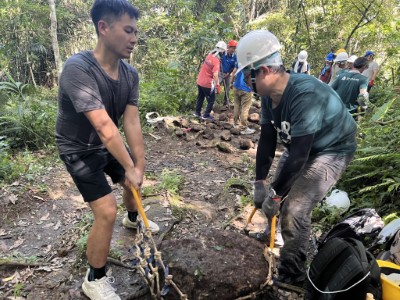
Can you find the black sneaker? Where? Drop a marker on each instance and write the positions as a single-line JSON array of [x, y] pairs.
[[208, 118], [197, 115]]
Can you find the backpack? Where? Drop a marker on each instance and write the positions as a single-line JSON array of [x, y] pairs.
[[343, 269], [363, 225]]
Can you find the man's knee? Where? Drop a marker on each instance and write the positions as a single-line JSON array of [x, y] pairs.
[[105, 209]]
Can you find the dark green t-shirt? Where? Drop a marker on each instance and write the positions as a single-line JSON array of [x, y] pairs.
[[348, 86], [309, 106], [84, 86]]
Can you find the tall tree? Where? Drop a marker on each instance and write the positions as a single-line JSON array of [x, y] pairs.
[[53, 34]]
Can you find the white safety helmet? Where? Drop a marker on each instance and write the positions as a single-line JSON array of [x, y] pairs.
[[342, 56], [302, 57], [254, 46], [352, 58], [221, 46], [338, 199]]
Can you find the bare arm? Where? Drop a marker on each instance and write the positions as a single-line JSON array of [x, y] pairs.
[[112, 140], [134, 136], [374, 73]]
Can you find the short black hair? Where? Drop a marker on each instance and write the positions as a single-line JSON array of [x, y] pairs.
[[111, 10], [361, 62]]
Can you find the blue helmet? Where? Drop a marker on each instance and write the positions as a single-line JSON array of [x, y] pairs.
[[368, 53], [330, 57]]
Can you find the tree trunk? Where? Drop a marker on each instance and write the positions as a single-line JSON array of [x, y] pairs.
[[54, 40]]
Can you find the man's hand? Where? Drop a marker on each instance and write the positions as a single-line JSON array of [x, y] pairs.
[[218, 89], [260, 193], [371, 83], [134, 177], [271, 204]]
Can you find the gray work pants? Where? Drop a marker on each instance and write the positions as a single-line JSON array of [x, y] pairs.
[[316, 179]]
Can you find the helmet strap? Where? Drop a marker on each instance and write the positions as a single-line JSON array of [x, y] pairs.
[[253, 79]]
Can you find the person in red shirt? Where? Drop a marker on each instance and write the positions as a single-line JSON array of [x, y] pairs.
[[207, 81]]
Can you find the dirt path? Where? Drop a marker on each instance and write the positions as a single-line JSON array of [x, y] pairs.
[[44, 224]]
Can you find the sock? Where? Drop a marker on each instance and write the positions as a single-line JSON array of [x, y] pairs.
[[132, 216], [96, 273]]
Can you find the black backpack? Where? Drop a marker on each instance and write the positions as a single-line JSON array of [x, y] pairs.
[[343, 269]]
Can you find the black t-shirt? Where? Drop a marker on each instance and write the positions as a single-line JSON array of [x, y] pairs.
[[84, 86]]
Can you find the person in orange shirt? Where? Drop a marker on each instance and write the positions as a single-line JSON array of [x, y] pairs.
[[207, 81]]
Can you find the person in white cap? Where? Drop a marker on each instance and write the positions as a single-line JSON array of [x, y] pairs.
[[350, 61], [208, 82], [318, 134], [301, 65]]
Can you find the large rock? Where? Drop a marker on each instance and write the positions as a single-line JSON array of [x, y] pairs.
[[217, 264]]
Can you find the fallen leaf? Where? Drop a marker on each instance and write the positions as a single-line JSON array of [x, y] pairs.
[[58, 224], [48, 225], [12, 277], [17, 243], [45, 217], [2, 232], [12, 198]]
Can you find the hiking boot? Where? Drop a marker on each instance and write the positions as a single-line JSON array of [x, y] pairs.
[[247, 131], [207, 118], [134, 225], [99, 289]]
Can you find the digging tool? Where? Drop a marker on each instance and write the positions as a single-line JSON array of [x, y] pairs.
[[245, 229], [269, 254], [226, 90]]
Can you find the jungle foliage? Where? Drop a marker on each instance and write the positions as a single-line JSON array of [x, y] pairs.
[[175, 36]]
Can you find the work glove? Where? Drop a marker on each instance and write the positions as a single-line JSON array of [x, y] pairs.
[[371, 83], [271, 204], [218, 89], [260, 193]]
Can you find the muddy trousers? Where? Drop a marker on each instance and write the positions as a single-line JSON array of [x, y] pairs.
[[317, 178], [242, 105], [209, 95]]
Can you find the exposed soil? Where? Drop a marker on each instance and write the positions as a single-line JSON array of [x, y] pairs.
[[42, 223]]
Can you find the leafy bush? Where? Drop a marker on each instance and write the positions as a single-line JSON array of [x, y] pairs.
[[26, 120], [372, 179], [169, 93]]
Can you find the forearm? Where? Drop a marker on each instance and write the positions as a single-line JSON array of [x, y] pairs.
[[216, 79], [112, 140], [374, 73], [298, 155], [265, 151], [134, 138]]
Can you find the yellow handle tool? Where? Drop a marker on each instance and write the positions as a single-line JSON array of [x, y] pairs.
[[138, 200], [251, 215], [272, 237]]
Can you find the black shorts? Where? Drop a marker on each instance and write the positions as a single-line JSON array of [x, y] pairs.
[[89, 169]]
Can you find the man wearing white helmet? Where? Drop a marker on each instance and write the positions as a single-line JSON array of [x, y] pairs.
[[318, 134], [207, 81], [340, 62], [301, 65]]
